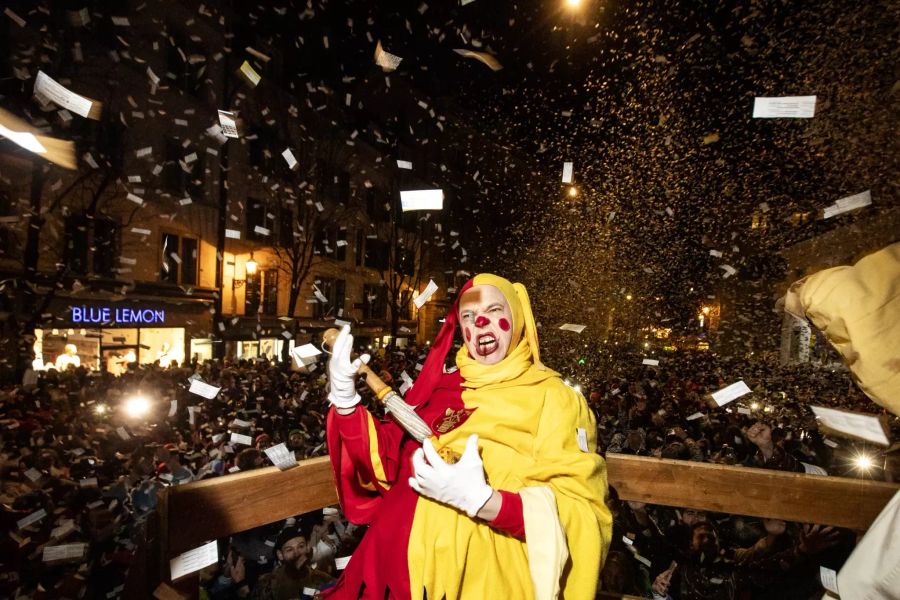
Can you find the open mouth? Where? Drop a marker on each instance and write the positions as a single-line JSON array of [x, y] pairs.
[[486, 344]]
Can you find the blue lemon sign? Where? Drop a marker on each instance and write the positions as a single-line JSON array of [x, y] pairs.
[[106, 315]]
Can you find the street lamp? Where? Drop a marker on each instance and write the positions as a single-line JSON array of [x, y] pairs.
[[249, 269], [573, 3]]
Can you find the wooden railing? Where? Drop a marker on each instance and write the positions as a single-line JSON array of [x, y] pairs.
[[189, 515]]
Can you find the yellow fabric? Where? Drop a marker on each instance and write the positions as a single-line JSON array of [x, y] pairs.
[[527, 421], [858, 309], [546, 560], [523, 320], [374, 455]]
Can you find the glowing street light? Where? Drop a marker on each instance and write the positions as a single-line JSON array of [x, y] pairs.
[[573, 191], [100, 409], [863, 463], [573, 3], [137, 407]]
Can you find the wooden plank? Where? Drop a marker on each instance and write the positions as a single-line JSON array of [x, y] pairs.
[[215, 508], [839, 501]]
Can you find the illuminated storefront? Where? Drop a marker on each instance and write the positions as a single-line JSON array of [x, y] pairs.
[[108, 336]]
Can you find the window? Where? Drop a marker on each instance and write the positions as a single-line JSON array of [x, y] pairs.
[[8, 238], [376, 255], [342, 183], [106, 246], [334, 291], [257, 216], [183, 170], [406, 262], [252, 293], [75, 250], [189, 256], [358, 248], [270, 292], [376, 207], [374, 301], [406, 305], [179, 259], [340, 250], [286, 227], [332, 242]]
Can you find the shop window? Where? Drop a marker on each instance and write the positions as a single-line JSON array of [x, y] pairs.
[[252, 293], [75, 250], [374, 301], [179, 259], [270, 292], [106, 246], [334, 292]]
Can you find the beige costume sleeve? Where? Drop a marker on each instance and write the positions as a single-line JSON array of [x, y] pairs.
[[858, 310]]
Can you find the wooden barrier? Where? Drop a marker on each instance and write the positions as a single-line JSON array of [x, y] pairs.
[[216, 508], [851, 503]]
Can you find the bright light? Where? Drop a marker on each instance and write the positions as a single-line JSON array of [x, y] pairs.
[[573, 191], [628, 296], [137, 406], [130, 356], [573, 3], [646, 344], [754, 405], [863, 462], [578, 388], [705, 310], [251, 266], [768, 409], [100, 409]]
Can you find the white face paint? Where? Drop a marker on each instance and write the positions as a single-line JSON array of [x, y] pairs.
[[486, 322]]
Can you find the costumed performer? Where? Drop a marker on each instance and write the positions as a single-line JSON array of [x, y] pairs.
[[521, 515]]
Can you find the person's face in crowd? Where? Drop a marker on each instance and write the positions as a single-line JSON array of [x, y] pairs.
[[485, 320], [296, 441], [634, 441], [691, 517], [295, 553], [705, 540]]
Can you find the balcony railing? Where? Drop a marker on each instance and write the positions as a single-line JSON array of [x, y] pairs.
[[189, 515]]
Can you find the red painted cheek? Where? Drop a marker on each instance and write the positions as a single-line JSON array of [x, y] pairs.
[[481, 321], [504, 324], [468, 335]]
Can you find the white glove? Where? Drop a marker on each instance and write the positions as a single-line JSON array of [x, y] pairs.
[[460, 485], [342, 372]]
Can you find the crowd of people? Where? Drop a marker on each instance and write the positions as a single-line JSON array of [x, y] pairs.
[[80, 473]]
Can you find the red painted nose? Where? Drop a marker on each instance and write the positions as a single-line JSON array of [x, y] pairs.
[[481, 321]]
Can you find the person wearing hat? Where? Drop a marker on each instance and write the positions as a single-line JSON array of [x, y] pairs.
[[294, 577], [521, 514]]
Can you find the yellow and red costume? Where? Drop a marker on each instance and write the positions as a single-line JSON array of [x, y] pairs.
[[537, 439]]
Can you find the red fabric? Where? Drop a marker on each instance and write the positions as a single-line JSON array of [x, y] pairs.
[[510, 519], [433, 369], [380, 563]]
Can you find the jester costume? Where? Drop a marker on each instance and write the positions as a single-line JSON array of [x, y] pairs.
[[538, 444]]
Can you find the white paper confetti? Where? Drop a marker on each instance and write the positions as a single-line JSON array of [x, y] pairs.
[[797, 107]]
